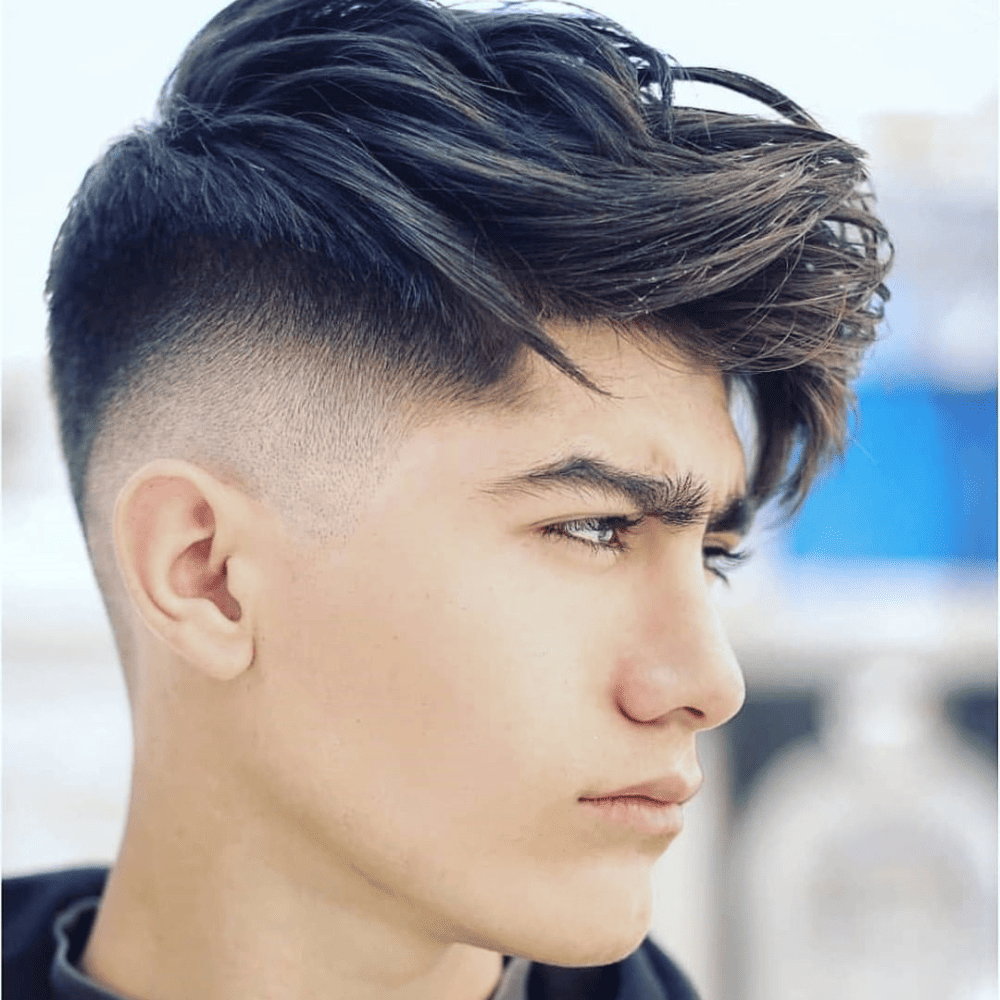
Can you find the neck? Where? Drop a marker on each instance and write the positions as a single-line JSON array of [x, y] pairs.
[[206, 907]]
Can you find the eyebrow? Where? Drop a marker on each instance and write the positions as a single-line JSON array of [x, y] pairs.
[[677, 501]]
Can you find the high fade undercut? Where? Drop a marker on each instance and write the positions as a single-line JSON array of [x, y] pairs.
[[413, 190]]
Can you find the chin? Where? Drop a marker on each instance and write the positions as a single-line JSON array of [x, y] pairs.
[[599, 929], [598, 946]]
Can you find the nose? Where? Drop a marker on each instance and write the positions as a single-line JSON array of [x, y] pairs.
[[682, 665]]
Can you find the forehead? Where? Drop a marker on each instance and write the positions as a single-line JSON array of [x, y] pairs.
[[660, 407], [658, 415]]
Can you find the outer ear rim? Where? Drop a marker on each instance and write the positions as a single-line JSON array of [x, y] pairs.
[[193, 628]]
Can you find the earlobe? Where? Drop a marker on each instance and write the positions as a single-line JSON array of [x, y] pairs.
[[178, 540]]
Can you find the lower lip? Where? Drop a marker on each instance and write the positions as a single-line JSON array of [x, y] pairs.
[[641, 814]]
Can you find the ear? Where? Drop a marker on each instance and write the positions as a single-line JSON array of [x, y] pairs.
[[182, 543]]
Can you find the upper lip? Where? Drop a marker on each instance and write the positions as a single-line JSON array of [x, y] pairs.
[[674, 788]]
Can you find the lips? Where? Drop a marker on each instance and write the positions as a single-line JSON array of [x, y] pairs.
[[669, 790], [650, 811]]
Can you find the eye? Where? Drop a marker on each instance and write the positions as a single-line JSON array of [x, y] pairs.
[[601, 533], [720, 561]]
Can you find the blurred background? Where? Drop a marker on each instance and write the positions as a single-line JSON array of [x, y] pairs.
[[845, 841]]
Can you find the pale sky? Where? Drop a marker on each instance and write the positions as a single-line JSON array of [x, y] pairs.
[[77, 73]]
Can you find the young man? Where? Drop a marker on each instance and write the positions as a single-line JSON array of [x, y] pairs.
[[394, 366]]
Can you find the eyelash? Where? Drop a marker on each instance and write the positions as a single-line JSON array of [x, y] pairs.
[[718, 560], [721, 562], [620, 525]]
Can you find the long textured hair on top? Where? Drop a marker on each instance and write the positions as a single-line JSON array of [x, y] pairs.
[[421, 185]]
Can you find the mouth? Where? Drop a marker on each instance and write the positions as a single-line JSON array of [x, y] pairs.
[[652, 809]]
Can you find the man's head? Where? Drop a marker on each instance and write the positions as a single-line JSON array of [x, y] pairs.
[[393, 365]]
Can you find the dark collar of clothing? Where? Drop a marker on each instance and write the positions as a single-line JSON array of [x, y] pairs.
[[72, 931], [47, 920]]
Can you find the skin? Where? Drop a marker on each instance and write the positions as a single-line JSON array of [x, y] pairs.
[[359, 763]]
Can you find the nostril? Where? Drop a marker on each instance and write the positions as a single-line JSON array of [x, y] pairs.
[[696, 712]]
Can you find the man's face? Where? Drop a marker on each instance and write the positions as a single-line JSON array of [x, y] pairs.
[[504, 636]]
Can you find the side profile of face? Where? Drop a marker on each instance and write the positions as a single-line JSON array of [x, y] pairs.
[[520, 622]]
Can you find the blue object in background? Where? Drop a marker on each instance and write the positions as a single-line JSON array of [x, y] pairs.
[[919, 481]]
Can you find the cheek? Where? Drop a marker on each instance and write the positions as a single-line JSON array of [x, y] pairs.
[[430, 677]]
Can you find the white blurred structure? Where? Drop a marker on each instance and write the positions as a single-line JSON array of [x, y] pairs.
[[868, 861]]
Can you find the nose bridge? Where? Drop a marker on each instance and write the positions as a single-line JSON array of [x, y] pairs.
[[685, 665]]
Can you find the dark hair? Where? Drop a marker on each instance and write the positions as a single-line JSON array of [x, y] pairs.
[[423, 185]]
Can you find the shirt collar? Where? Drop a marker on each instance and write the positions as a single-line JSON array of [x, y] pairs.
[[72, 929], [513, 983]]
